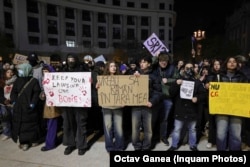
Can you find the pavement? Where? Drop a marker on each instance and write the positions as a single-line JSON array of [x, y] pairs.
[[96, 156]]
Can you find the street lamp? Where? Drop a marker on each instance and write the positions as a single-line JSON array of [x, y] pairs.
[[197, 36]]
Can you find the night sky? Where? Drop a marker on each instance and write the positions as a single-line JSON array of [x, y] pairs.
[[206, 15]]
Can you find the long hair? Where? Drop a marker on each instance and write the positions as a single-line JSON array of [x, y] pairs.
[[224, 65], [106, 69]]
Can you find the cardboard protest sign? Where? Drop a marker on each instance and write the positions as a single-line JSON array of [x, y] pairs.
[[154, 45], [229, 99], [19, 59], [121, 90], [69, 89]]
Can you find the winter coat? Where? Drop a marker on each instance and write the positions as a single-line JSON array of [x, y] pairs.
[[185, 108]]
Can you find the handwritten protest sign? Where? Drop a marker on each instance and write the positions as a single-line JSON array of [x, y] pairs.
[[229, 99], [68, 89], [187, 89], [19, 59], [120, 90], [154, 45]]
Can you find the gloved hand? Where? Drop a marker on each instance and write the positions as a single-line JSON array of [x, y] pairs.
[[32, 106]]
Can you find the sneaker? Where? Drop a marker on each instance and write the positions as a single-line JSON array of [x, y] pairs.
[[5, 137], [209, 145], [25, 147], [172, 148], [68, 150], [81, 151], [165, 141], [194, 148], [34, 144]]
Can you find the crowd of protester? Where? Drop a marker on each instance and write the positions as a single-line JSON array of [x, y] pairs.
[[29, 122]]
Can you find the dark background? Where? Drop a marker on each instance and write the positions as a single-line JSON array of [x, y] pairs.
[[207, 15]]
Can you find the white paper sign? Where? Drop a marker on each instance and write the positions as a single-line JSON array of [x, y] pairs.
[[100, 58], [154, 45], [187, 89], [69, 89]]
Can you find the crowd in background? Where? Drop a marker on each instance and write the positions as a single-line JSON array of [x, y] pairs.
[[28, 121]]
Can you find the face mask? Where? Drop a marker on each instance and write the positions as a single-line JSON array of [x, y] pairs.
[[71, 64], [20, 73], [189, 73]]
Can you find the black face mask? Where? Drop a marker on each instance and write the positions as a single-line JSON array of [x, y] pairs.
[[189, 73], [71, 64]]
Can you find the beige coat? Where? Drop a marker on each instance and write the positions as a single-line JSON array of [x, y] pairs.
[[51, 112]]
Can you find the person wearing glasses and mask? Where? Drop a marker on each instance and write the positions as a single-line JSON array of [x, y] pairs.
[[187, 92], [74, 118]]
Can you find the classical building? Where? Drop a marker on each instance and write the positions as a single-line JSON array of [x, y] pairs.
[[82, 26], [238, 28]]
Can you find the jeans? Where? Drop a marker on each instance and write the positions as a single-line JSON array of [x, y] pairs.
[[176, 134], [141, 116], [6, 123], [113, 131], [228, 132], [167, 106]]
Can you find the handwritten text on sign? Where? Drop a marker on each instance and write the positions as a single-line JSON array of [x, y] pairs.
[[120, 90], [154, 45], [229, 99], [68, 89]]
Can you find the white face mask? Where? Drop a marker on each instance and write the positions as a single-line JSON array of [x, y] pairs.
[[20, 73]]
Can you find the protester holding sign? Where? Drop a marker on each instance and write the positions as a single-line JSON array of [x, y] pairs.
[[229, 127], [142, 115], [74, 118], [187, 92], [113, 117]]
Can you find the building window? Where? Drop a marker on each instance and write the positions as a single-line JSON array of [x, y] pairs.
[[161, 34], [117, 45], [8, 20], [170, 24], [116, 19], [130, 33], [70, 29], [53, 41], [86, 30], [33, 24], [130, 4], [144, 21], [162, 6], [170, 7], [51, 10], [116, 33], [69, 13], [101, 32], [161, 21], [116, 2], [52, 27], [86, 15], [102, 44], [32, 6], [144, 5], [70, 43], [130, 20], [144, 34], [9, 36], [101, 1], [7, 3], [86, 44], [169, 35], [101, 17], [33, 40]]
